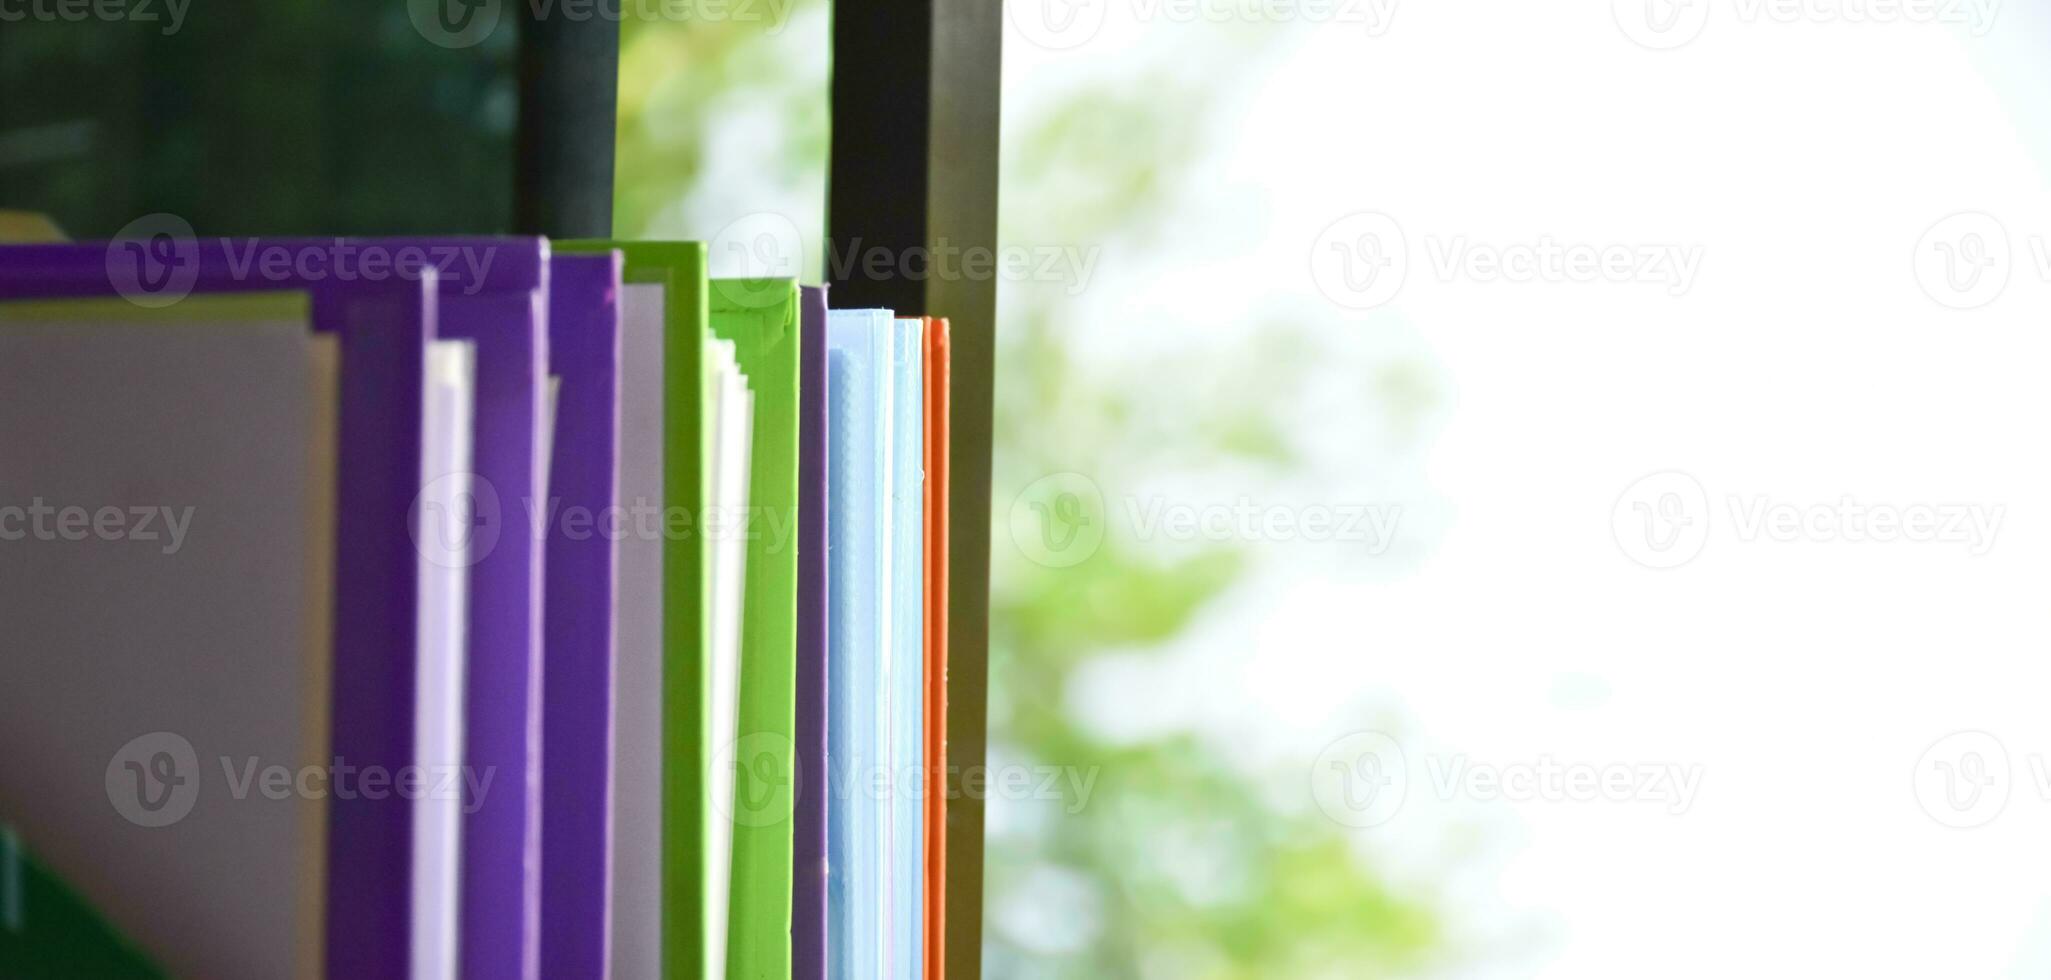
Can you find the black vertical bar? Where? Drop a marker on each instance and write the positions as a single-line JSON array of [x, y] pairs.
[[916, 98], [878, 194], [569, 80]]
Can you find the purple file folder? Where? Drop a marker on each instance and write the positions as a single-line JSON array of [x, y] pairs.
[[495, 293], [578, 639], [383, 325], [808, 890]]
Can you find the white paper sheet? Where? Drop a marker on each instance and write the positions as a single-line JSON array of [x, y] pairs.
[[638, 682]]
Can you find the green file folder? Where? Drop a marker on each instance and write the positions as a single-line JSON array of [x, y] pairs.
[[760, 317]]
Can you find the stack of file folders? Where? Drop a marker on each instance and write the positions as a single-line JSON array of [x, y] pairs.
[[479, 608]]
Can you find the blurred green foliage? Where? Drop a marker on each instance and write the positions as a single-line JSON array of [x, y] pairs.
[[1177, 867], [723, 116]]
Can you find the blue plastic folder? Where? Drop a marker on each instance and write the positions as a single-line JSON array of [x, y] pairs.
[[860, 375], [906, 695]]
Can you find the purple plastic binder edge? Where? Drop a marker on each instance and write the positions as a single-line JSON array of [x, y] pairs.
[[579, 647], [808, 891], [494, 292], [370, 843]]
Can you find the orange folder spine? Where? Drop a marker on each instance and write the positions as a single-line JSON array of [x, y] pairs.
[[937, 381]]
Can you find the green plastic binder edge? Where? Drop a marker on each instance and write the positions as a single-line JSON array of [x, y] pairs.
[[760, 317], [47, 932], [686, 564]]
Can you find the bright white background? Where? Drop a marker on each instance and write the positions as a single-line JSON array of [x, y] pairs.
[[1805, 364]]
